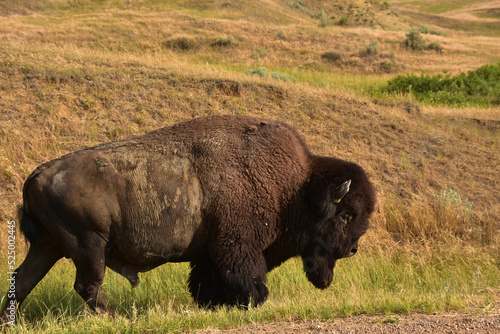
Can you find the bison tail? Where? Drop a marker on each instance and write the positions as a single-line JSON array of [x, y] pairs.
[[28, 225]]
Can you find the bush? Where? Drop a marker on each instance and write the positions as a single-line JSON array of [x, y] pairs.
[[480, 87], [259, 53], [436, 46], [224, 41], [297, 4], [324, 21], [371, 50], [261, 72], [344, 20], [414, 40], [180, 44], [281, 76], [331, 56], [386, 66], [426, 30]]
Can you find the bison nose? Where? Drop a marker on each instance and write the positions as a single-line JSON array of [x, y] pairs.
[[354, 250]]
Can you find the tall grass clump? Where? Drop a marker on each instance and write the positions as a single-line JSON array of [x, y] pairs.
[[447, 218], [452, 207], [480, 87]]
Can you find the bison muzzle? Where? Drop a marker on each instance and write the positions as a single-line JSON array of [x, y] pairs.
[[234, 196]]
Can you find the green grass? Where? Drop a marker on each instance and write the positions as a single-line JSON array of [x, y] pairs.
[[408, 280], [484, 28], [82, 72], [355, 82], [490, 14], [439, 7]]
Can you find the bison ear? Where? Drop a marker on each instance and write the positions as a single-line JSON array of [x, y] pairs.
[[341, 191]]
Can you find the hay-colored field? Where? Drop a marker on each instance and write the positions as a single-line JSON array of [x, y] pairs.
[[77, 73]]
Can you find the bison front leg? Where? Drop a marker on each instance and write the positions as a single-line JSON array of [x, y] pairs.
[[243, 270], [205, 284]]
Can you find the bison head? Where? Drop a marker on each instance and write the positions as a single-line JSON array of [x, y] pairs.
[[340, 212]]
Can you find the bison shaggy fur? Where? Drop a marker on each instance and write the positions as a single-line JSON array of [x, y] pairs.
[[235, 196]]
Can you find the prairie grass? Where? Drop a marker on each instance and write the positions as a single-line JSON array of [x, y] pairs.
[[405, 281], [440, 7], [77, 73]]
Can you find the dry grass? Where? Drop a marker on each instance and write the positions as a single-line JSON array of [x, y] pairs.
[[491, 114], [75, 77]]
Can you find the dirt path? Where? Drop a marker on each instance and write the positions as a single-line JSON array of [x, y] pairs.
[[397, 324]]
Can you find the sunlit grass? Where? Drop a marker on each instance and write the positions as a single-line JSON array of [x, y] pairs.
[[76, 76], [409, 280], [356, 82], [438, 7]]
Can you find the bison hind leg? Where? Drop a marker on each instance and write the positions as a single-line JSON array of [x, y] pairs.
[[90, 265], [42, 255], [88, 285]]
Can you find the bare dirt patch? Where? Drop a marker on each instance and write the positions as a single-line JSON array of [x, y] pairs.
[[408, 324]]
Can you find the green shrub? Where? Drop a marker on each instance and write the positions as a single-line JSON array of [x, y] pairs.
[[344, 20], [331, 56], [414, 40], [261, 72], [224, 41], [319, 15], [281, 76], [259, 53], [371, 50], [426, 30], [452, 199], [297, 4], [436, 46], [386, 66], [180, 44], [324, 21], [480, 87]]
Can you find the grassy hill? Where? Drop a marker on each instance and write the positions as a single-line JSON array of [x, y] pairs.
[[77, 73]]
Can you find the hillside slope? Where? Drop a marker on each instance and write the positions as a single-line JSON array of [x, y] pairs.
[[75, 74]]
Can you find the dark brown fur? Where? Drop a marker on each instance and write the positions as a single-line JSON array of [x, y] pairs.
[[235, 196]]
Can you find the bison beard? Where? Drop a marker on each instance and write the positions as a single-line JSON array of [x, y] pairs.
[[235, 196]]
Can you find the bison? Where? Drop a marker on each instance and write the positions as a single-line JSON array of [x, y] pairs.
[[235, 196]]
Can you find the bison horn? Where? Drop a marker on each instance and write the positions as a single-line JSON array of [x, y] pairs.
[[341, 191]]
